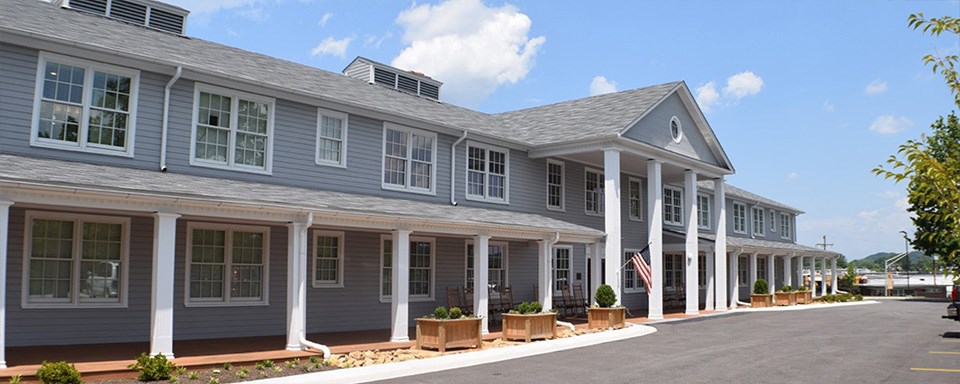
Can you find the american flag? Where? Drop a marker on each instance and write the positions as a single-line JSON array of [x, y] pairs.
[[643, 269]]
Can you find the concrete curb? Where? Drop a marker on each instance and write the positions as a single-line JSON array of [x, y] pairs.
[[768, 309]]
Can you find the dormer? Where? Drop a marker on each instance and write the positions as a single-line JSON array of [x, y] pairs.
[[147, 13], [394, 78]]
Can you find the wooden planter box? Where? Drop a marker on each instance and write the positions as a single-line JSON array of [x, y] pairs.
[[804, 297], [793, 298], [447, 333], [761, 301], [783, 298], [528, 327], [607, 317]]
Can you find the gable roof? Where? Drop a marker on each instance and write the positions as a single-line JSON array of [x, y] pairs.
[[732, 192]]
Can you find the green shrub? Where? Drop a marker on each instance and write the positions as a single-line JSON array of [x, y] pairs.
[[523, 308], [760, 287], [456, 313], [227, 366], [15, 379], [605, 297], [535, 307], [193, 375], [153, 368], [441, 313], [858, 297], [58, 373], [787, 288], [802, 288]]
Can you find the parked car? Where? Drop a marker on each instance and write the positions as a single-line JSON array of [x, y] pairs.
[[103, 280], [952, 309]]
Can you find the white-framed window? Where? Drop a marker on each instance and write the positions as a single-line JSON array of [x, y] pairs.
[[701, 270], [673, 272], [786, 231], [556, 196], [331, 138], [739, 218], [757, 221], [488, 176], [676, 131], [632, 282], [422, 260], [562, 266], [231, 130], [743, 271], [773, 222], [227, 265], [75, 260], [762, 269], [635, 199], [409, 159], [80, 105], [672, 206], [593, 188], [703, 212], [497, 262], [328, 259]]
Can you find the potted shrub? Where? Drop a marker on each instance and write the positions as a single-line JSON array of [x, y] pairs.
[[450, 329], [604, 314], [528, 321], [760, 298], [786, 296], [804, 296]]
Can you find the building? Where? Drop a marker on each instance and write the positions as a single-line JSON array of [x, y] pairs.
[[900, 284], [159, 187]]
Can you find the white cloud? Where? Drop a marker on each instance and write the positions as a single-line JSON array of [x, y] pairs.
[[375, 41], [868, 215], [333, 47], [707, 96], [793, 176], [601, 85], [209, 6], [890, 124], [828, 106], [862, 233], [469, 46], [876, 87], [324, 19], [742, 85]]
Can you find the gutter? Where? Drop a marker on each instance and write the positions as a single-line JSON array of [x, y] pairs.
[[453, 169], [166, 118]]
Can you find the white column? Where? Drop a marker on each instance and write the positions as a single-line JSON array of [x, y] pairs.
[[296, 284], [813, 272], [771, 274], [753, 271], [833, 276], [720, 246], [400, 286], [161, 304], [799, 271], [711, 282], [734, 279], [787, 271], [612, 219], [4, 239], [692, 251], [481, 271], [655, 233], [823, 276], [544, 274], [596, 269]]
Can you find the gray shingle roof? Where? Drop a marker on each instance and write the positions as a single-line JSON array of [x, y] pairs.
[[761, 244], [732, 192]]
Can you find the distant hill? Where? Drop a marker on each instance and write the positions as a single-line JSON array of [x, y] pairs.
[[918, 261], [881, 256]]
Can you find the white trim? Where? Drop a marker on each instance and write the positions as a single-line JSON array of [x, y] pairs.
[[679, 136], [344, 124], [786, 226], [553, 266], [341, 244], [709, 211], [679, 191], [486, 173], [406, 182], [506, 260], [757, 230], [640, 202], [638, 285], [600, 195], [77, 246], [235, 97], [433, 269], [773, 221], [743, 266], [226, 300], [563, 186], [733, 214], [89, 68]]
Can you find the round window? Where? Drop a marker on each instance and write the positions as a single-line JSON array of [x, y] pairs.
[[675, 130]]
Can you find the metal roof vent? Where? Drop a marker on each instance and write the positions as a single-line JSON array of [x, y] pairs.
[[410, 82], [147, 13]]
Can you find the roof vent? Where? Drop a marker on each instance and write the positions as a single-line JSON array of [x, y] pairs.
[[148, 13], [405, 81]]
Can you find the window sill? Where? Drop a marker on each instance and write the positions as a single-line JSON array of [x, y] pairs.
[[556, 209], [391, 187], [634, 291], [485, 200], [221, 166], [386, 300], [73, 305], [332, 165], [64, 146], [637, 219], [673, 224], [218, 304], [588, 213], [327, 285]]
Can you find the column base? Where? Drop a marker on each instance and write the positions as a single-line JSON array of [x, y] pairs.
[[655, 317], [296, 347], [399, 339], [720, 309], [692, 313]]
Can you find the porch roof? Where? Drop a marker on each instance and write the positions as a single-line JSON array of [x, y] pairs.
[[77, 177], [778, 247]]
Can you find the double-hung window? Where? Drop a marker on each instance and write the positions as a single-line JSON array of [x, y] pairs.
[[409, 159], [487, 176], [562, 262], [331, 138], [701, 271], [743, 271], [672, 206], [673, 272], [227, 264], [785, 231], [593, 188], [496, 264], [232, 130], [84, 106], [739, 218], [703, 211], [328, 259], [422, 257], [773, 221], [757, 221], [75, 260], [762, 269], [555, 182], [635, 199], [632, 282]]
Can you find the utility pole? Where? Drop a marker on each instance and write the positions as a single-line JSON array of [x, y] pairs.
[[813, 264], [824, 244], [906, 251]]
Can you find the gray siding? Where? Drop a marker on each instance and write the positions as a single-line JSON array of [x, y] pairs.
[[654, 129]]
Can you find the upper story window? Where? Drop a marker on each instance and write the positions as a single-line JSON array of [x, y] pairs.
[[232, 130], [758, 221], [676, 131], [672, 206], [785, 231], [497, 263], [635, 199], [331, 138], [226, 264], [84, 106], [739, 218], [703, 211], [487, 177], [328, 259], [593, 188], [773, 221], [555, 185], [409, 159]]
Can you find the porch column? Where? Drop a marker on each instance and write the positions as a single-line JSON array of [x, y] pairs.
[[400, 286], [823, 276], [4, 239], [161, 303], [612, 219], [711, 288], [753, 271], [544, 274], [692, 252], [655, 233], [787, 271], [595, 270], [771, 274], [720, 247], [833, 275], [799, 271], [296, 284], [734, 279], [481, 271], [813, 272]]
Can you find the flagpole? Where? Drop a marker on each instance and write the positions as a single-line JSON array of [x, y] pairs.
[[628, 260]]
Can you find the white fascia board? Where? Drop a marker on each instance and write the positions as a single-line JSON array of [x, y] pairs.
[[633, 147]]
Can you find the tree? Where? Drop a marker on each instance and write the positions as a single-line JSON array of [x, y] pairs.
[[841, 261], [935, 233]]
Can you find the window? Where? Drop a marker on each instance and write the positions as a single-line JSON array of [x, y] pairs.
[[762, 269], [739, 218], [75, 260], [227, 265], [496, 264], [84, 106], [232, 130], [673, 272], [328, 259], [487, 172], [555, 193], [421, 268], [672, 206], [701, 270], [757, 221], [331, 138], [409, 158], [593, 186], [703, 211], [743, 271], [675, 130], [562, 256], [785, 231], [635, 199], [773, 222], [632, 282]]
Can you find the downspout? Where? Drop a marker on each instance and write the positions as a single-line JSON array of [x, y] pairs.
[[166, 118], [453, 169], [547, 245], [307, 344]]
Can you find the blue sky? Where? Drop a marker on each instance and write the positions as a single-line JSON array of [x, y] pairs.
[[806, 97]]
